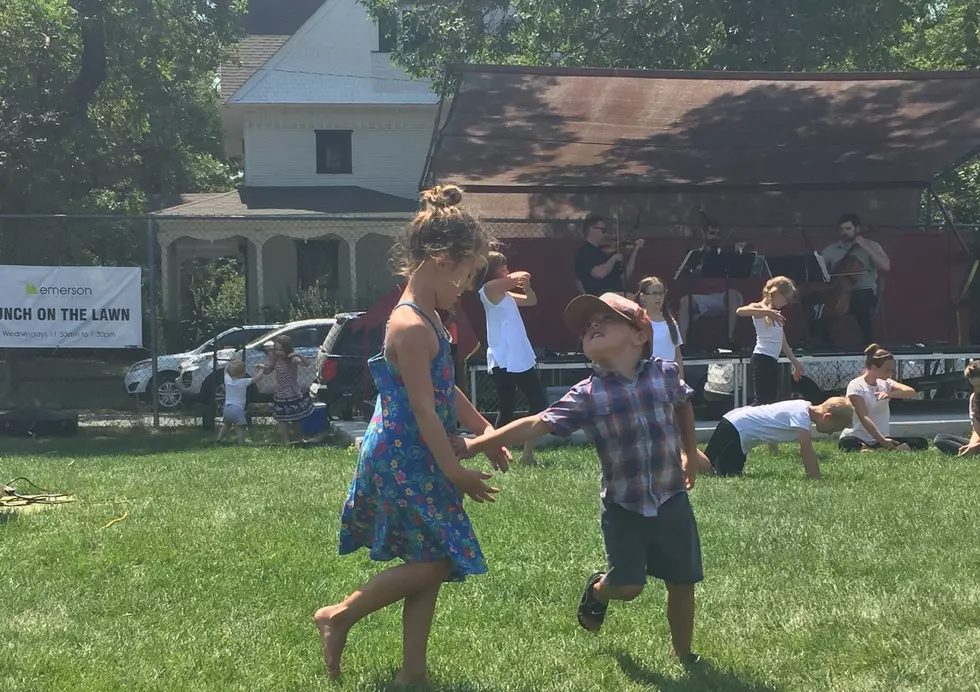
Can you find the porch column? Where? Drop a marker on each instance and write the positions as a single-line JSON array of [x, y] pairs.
[[352, 244], [165, 298], [260, 277]]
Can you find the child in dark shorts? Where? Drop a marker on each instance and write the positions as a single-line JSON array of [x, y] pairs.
[[636, 410]]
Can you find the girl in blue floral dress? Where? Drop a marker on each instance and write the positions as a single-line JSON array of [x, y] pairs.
[[406, 499]]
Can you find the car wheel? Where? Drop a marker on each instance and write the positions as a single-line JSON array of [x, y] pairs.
[[214, 390], [219, 398], [168, 393]]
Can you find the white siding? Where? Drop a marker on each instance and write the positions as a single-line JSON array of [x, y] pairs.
[[334, 59], [389, 146]]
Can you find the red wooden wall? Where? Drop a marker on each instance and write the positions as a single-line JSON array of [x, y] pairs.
[[927, 272]]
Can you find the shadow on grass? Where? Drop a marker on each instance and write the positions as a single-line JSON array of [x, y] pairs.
[[702, 677], [102, 445], [386, 684]]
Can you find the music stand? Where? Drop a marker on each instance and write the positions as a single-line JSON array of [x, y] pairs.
[[689, 265], [806, 268], [728, 264], [721, 263]]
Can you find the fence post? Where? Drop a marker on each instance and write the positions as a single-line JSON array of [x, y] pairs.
[[151, 261]]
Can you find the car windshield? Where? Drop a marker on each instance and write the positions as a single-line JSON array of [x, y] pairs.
[[206, 346], [293, 330], [235, 337]]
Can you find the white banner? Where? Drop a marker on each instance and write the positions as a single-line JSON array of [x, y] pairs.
[[70, 307]]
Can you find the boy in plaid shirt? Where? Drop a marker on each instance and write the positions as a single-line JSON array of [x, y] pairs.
[[637, 413]]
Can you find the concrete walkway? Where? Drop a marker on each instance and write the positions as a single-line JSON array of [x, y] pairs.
[[908, 425]]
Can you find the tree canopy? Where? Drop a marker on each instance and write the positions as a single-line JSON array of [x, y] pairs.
[[785, 35], [104, 103], [752, 35]]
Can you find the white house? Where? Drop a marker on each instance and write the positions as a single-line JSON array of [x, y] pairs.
[[324, 124]]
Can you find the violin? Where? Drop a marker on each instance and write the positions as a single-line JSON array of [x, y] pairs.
[[622, 244]]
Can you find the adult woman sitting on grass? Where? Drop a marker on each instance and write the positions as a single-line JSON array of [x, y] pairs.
[[869, 394], [955, 445]]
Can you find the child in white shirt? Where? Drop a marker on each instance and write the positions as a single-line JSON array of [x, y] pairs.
[[236, 393], [786, 421]]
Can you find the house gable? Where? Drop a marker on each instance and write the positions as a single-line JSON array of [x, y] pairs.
[[268, 24], [333, 59]]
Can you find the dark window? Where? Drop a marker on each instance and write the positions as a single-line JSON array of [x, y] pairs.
[[306, 337], [333, 152], [318, 264], [344, 341], [388, 32], [238, 338]]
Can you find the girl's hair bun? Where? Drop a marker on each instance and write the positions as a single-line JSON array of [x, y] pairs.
[[443, 196]]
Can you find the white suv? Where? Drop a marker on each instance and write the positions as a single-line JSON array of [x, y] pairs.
[[137, 380], [202, 377]]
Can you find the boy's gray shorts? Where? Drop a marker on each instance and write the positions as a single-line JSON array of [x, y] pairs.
[[234, 415]]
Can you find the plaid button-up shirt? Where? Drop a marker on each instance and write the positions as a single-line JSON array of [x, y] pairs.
[[633, 427]]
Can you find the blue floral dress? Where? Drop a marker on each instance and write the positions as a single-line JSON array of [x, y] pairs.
[[400, 503]]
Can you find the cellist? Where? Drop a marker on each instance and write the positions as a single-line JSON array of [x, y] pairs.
[[869, 259], [596, 270]]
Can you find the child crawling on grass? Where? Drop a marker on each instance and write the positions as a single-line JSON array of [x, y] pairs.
[[636, 410], [786, 421]]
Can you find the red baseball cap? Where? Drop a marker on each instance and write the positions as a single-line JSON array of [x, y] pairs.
[[579, 312]]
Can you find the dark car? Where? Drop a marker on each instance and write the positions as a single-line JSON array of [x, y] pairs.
[[343, 381]]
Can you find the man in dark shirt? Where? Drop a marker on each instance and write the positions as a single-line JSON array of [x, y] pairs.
[[718, 304], [595, 271]]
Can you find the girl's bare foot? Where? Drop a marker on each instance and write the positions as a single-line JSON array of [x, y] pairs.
[[333, 637]]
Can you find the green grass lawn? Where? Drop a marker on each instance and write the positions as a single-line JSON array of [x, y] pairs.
[[867, 580]]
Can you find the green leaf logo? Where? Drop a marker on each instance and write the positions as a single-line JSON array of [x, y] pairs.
[[30, 289]]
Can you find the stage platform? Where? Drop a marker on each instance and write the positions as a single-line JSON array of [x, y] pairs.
[[926, 425], [722, 379]]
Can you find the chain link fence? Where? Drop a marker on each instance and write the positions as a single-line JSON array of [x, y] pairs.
[[217, 288]]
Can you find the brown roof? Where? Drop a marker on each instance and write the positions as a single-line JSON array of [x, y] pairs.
[[268, 24], [291, 201], [251, 53], [537, 128]]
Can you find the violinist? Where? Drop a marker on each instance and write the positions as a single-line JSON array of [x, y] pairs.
[[596, 270], [869, 259]]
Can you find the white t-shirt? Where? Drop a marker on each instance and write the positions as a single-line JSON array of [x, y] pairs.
[[878, 409], [768, 338], [663, 347], [236, 390], [507, 343], [777, 422]]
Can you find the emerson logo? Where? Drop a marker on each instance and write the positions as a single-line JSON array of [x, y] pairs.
[[32, 290]]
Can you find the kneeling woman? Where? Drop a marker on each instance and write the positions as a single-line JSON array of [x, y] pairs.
[[869, 394]]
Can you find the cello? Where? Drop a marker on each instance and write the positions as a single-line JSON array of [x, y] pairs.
[[843, 276]]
